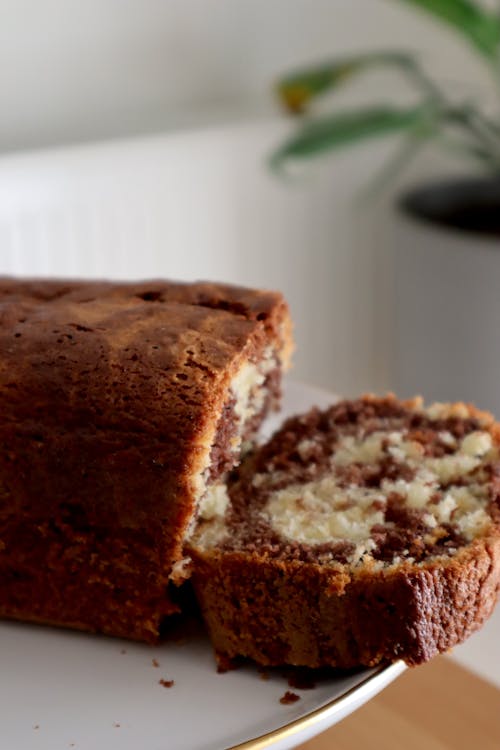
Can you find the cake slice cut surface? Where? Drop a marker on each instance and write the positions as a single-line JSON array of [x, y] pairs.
[[363, 533]]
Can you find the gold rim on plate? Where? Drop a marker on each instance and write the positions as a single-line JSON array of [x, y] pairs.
[[314, 717]]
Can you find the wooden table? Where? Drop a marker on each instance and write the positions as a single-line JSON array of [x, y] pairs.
[[439, 706]]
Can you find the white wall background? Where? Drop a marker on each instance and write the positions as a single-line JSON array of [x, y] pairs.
[[72, 70]]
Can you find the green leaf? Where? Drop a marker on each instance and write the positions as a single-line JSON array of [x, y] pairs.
[[297, 89], [333, 132], [480, 28]]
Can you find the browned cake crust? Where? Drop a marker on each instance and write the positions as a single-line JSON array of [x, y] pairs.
[[117, 411], [418, 589]]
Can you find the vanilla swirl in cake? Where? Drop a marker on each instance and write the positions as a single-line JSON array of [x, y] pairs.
[[372, 495]]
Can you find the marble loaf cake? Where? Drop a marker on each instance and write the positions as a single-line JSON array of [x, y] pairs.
[[123, 408], [364, 533]]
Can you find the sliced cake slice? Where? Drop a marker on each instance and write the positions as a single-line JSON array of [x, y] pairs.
[[363, 533]]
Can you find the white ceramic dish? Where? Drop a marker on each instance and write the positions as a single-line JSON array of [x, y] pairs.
[[62, 690]]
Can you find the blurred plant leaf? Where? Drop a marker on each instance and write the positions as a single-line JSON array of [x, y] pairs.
[[481, 28], [335, 131], [463, 128], [297, 89]]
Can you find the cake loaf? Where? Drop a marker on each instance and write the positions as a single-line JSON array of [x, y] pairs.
[[123, 408], [364, 533]]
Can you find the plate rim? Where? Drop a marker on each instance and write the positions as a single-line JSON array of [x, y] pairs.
[[363, 691]]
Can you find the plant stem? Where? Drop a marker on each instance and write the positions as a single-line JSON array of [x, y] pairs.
[[406, 152], [427, 85], [470, 150], [483, 129], [472, 120], [495, 62]]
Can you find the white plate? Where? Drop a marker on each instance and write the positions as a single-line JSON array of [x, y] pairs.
[[62, 690]]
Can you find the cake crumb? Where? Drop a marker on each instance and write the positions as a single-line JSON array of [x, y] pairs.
[[155, 662], [116, 725], [37, 726], [166, 683], [289, 698], [263, 674], [123, 651]]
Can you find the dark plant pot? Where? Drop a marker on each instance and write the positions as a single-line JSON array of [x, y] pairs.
[[468, 205], [447, 308]]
